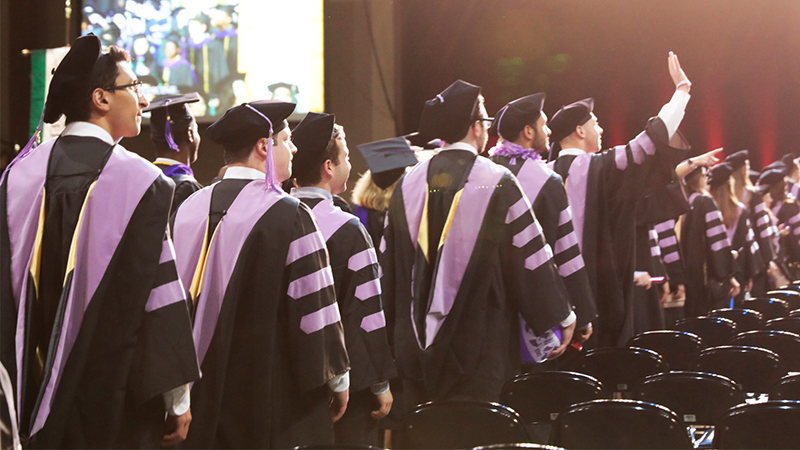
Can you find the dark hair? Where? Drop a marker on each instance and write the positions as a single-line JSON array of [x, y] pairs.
[[313, 175], [238, 152], [475, 115], [104, 74], [181, 119], [517, 133]]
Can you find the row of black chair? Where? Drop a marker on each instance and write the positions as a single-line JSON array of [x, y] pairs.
[[600, 424]]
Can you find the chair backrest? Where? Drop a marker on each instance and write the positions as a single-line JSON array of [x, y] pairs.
[[619, 424], [516, 446], [784, 343], [540, 397], [788, 388], [794, 313], [754, 369], [714, 331], [678, 348], [790, 296], [790, 324], [770, 308], [460, 424], [619, 369], [773, 424], [698, 398], [745, 319]]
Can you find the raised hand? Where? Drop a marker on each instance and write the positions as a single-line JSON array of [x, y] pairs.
[[678, 76]]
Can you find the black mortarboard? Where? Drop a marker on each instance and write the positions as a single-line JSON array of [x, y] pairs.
[[291, 87], [777, 165], [162, 109], [771, 177], [512, 118], [72, 77], [241, 126], [311, 137], [789, 161], [448, 115], [719, 174], [387, 159], [564, 121], [737, 160]]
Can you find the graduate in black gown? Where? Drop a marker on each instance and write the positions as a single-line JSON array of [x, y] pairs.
[[522, 126], [207, 56], [388, 160], [94, 323], [738, 225], [267, 327], [175, 69], [320, 170], [707, 250], [173, 130], [672, 307], [464, 261], [604, 190], [786, 213]]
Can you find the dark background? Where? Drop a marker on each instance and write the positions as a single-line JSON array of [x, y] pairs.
[[741, 55]]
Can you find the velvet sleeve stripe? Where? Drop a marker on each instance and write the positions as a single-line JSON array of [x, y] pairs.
[[362, 259], [518, 209], [304, 246], [316, 321], [311, 283], [621, 157], [373, 322], [167, 288]]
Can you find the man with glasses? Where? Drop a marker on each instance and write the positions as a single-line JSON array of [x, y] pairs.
[[94, 326], [463, 260]]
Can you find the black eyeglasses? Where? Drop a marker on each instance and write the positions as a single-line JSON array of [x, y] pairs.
[[136, 85]]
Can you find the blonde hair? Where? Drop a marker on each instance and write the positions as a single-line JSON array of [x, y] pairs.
[[741, 182], [368, 195], [727, 203]]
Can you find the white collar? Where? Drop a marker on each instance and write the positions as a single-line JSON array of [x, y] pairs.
[[571, 152], [246, 173], [168, 161], [311, 192], [460, 146], [89, 130]]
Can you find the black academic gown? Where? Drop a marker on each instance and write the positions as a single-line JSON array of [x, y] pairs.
[[647, 311], [106, 329], [454, 307], [545, 189], [356, 275], [209, 64], [185, 185], [749, 263], [764, 231], [373, 220], [707, 255], [604, 190], [787, 214], [267, 327]]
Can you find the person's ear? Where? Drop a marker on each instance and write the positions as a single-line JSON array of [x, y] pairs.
[[190, 135], [101, 100], [327, 167], [580, 131], [529, 132]]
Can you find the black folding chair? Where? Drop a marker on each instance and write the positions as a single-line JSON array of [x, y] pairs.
[[784, 343], [516, 446], [790, 296], [754, 369], [619, 424], [539, 397], [745, 319], [619, 369], [787, 388], [698, 398], [794, 313], [770, 308], [790, 324], [678, 348], [714, 331], [773, 424], [460, 424]]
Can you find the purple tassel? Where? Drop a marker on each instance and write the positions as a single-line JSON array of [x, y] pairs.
[[168, 130], [270, 166]]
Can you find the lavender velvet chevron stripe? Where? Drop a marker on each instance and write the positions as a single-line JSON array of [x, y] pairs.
[[362, 259], [373, 322], [313, 322], [369, 289], [167, 293], [304, 246], [311, 283], [518, 209]]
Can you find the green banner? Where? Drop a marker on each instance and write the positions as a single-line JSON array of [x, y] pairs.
[[38, 85]]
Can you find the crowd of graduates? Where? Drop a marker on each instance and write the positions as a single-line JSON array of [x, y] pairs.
[[264, 311]]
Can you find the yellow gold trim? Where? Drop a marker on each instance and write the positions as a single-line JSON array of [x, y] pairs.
[[450, 217], [200, 270], [36, 259], [422, 236], [205, 68], [73, 248]]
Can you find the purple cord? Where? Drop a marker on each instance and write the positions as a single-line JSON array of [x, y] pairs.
[[514, 151], [270, 166]]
